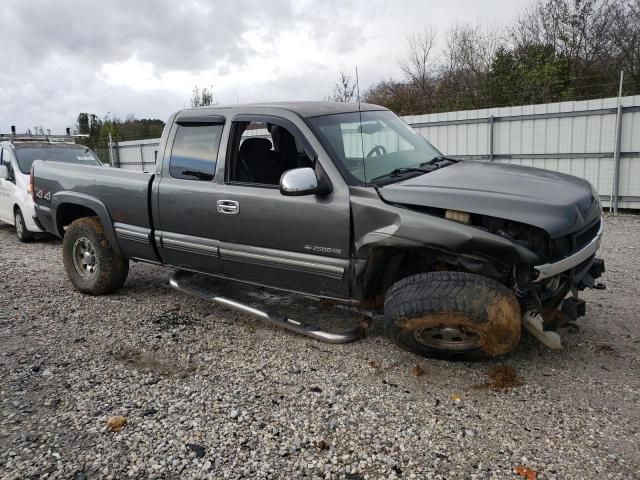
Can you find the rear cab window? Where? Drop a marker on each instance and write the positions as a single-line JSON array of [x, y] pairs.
[[195, 150]]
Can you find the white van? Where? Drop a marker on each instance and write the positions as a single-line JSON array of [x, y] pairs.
[[16, 158]]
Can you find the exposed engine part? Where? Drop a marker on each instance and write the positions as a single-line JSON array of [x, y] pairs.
[[457, 216], [574, 308], [532, 321]]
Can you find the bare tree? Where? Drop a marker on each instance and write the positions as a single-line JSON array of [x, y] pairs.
[[579, 30], [626, 39], [344, 90], [419, 65], [202, 98]]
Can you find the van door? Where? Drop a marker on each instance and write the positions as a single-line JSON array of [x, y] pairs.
[[7, 188]]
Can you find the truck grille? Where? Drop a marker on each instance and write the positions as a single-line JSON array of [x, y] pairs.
[[569, 244]]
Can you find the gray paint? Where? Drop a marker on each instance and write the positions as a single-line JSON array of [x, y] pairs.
[[317, 244]]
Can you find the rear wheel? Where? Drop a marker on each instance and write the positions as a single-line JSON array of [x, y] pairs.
[[452, 315], [91, 264], [22, 233]]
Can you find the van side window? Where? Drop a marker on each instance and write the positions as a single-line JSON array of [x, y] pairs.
[[194, 152], [5, 159]]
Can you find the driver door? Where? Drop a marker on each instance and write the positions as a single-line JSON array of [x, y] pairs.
[[297, 243]]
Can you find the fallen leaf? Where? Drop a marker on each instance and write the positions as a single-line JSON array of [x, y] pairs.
[[373, 364], [527, 473], [455, 397], [418, 371], [116, 423]]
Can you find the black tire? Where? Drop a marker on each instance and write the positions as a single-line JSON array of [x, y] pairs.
[[22, 233], [90, 262], [452, 315]]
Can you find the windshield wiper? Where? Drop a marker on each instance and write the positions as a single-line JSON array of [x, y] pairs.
[[435, 160], [400, 171]]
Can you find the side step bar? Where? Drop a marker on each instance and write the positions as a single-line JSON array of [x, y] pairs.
[[313, 331]]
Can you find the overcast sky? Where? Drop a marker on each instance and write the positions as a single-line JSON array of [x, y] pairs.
[[143, 57]]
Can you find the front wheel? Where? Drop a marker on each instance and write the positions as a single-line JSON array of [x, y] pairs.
[[452, 315], [22, 233], [91, 264]]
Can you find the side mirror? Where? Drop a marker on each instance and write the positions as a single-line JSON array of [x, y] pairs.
[[4, 172], [299, 181]]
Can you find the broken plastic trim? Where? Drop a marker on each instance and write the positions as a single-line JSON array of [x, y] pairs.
[[313, 331], [532, 321]]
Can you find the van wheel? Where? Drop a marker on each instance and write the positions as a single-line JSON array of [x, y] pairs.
[[22, 233], [90, 262], [452, 315]]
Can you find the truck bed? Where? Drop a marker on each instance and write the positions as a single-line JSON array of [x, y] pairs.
[[117, 196]]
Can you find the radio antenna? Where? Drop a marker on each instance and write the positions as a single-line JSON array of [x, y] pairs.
[[364, 166]]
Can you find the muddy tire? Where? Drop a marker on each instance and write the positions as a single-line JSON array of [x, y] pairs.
[[452, 315], [22, 233], [90, 262]]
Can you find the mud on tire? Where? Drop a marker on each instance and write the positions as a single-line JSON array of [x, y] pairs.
[[91, 264], [452, 315]]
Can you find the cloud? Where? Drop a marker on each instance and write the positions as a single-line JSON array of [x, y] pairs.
[[145, 56]]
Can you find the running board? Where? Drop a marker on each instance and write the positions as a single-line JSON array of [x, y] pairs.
[[312, 331]]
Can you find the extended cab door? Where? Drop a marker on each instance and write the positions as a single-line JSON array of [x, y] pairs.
[[187, 231], [299, 243]]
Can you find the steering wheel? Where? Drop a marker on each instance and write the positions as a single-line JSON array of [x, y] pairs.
[[378, 150]]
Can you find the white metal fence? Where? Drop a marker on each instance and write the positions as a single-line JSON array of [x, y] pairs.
[[578, 138]]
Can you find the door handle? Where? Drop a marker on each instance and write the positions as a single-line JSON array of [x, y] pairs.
[[228, 207]]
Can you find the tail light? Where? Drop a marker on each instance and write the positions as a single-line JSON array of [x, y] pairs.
[[30, 187]]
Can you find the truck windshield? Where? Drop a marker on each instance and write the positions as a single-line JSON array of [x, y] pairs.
[[80, 154], [379, 146]]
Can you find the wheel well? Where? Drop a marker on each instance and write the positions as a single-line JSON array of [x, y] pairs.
[[68, 212], [385, 266], [16, 207]]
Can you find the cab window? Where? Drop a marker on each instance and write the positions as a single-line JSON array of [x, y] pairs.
[[194, 151]]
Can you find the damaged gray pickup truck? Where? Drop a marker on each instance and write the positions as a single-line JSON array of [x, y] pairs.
[[341, 203]]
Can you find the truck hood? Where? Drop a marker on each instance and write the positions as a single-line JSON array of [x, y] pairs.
[[557, 203]]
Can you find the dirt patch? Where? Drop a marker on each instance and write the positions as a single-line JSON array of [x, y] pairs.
[[172, 319], [153, 363], [502, 377]]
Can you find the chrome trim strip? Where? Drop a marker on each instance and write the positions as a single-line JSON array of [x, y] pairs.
[[355, 333], [280, 262], [190, 247], [551, 269]]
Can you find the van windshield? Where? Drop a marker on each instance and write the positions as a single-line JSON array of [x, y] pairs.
[[80, 155], [375, 147]]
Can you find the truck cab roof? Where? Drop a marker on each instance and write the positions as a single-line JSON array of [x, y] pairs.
[[302, 109]]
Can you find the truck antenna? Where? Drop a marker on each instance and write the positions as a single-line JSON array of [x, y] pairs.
[[364, 166]]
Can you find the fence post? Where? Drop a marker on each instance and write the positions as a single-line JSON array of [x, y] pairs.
[[116, 155], [491, 138], [613, 204], [111, 164], [141, 157]]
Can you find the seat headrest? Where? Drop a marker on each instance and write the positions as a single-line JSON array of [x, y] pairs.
[[255, 145]]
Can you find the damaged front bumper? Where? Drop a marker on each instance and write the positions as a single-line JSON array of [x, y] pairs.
[[549, 270]]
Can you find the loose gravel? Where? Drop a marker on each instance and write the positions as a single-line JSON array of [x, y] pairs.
[[209, 393]]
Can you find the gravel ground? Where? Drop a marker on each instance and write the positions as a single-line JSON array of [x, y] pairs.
[[210, 393]]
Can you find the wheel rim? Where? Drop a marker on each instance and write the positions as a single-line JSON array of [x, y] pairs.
[[85, 260], [445, 337], [19, 230]]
